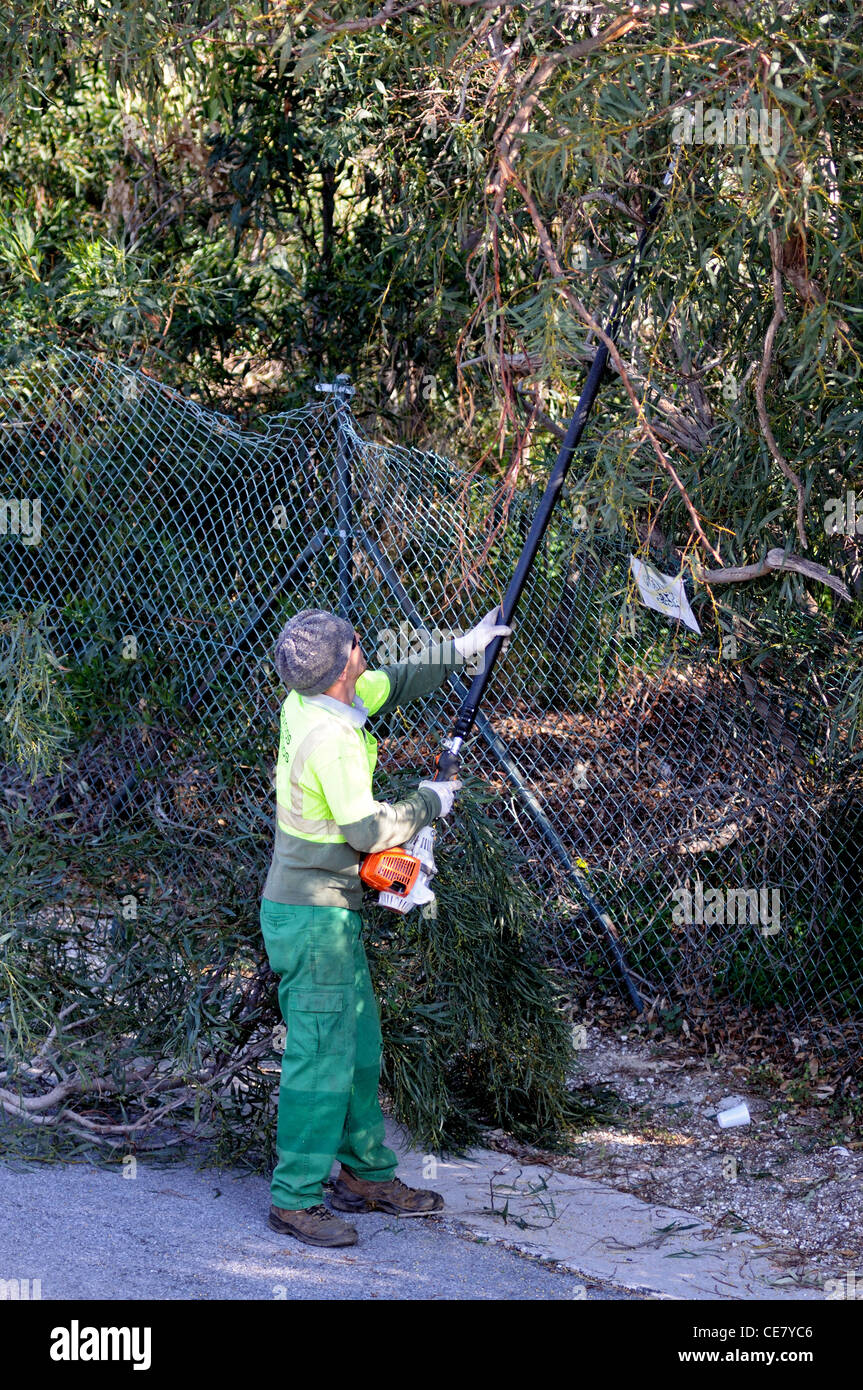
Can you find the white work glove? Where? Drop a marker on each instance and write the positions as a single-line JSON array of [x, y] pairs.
[[445, 792], [475, 641]]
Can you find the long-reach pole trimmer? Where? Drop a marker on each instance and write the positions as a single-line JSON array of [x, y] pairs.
[[421, 846]]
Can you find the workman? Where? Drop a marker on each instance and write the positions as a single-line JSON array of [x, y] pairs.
[[327, 820]]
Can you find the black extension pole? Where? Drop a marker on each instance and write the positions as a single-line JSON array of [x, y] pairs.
[[448, 760]]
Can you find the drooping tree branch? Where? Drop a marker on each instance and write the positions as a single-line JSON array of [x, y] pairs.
[[761, 382], [583, 313]]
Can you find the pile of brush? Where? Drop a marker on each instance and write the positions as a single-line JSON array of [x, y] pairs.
[[137, 1008]]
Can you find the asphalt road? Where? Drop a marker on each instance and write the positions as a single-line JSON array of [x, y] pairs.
[[178, 1232]]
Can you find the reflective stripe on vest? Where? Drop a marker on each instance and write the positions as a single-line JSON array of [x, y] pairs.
[[291, 817], [305, 727]]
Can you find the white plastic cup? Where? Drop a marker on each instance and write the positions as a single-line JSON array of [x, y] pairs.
[[734, 1115], [728, 1102]]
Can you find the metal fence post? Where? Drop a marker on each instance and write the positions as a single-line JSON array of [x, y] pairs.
[[342, 392]]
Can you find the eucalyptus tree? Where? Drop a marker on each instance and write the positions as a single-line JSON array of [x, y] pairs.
[[439, 197]]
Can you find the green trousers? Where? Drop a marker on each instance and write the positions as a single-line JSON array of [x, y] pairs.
[[328, 1093]]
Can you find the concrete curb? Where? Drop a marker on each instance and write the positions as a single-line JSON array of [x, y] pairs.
[[608, 1237]]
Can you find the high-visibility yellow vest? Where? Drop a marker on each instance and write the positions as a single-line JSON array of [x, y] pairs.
[[307, 726]]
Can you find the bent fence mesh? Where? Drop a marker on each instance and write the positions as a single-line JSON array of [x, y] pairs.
[[154, 544]]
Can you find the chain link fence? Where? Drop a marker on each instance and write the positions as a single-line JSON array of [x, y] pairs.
[[712, 812]]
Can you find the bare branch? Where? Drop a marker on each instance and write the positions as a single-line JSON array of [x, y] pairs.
[[774, 560], [583, 313], [761, 382]]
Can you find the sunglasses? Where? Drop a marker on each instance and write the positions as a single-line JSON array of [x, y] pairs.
[[356, 642]]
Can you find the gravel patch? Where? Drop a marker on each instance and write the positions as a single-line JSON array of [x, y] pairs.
[[793, 1175]]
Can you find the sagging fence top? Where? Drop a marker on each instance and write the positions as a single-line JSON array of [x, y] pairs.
[[156, 549]]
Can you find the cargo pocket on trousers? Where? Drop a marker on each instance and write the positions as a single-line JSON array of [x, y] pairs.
[[316, 1021]]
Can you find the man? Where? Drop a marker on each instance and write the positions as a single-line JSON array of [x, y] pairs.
[[326, 821]]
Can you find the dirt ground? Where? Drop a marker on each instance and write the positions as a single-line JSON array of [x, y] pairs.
[[793, 1175]]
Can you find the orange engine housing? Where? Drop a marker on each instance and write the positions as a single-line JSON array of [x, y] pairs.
[[390, 871]]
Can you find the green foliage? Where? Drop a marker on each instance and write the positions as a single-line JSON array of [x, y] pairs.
[[37, 709], [135, 957], [246, 199]]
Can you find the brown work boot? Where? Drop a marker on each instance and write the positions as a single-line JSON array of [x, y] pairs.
[[350, 1193], [313, 1225]]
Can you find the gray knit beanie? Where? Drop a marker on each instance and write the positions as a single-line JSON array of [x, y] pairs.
[[312, 650]]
